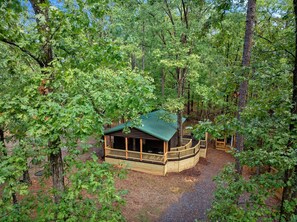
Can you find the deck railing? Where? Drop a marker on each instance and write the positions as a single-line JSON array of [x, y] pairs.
[[180, 154], [152, 157], [174, 154], [187, 143]]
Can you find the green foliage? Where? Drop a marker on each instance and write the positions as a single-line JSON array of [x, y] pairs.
[[91, 195], [266, 118], [90, 84], [11, 170], [222, 126], [243, 199], [86, 86]]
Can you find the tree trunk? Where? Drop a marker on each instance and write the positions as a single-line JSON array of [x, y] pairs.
[[57, 170], [180, 112], [189, 99], [2, 140], [26, 177], [133, 61], [142, 47], [163, 83], [243, 88], [56, 161], [180, 128], [14, 198], [192, 103], [290, 191], [2, 136]]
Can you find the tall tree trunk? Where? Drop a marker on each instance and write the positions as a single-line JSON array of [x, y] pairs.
[[14, 198], [2, 140], [133, 61], [290, 191], [26, 177], [189, 99], [2, 136], [163, 83], [57, 170], [142, 47], [56, 161], [180, 112], [180, 128], [192, 103], [243, 88]]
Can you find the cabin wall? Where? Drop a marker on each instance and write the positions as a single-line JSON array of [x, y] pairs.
[[153, 145], [134, 144], [119, 142], [173, 141], [150, 143]]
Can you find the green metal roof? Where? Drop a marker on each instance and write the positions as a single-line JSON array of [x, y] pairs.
[[160, 124]]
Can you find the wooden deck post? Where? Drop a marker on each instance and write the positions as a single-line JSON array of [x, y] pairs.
[[165, 147], [206, 140], [140, 149], [166, 150], [126, 146], [234, 140], [105, 141]]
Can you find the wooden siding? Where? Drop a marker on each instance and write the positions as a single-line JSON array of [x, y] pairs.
[[173, 141]]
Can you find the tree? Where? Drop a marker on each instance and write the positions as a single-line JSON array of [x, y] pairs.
[[174, 30], [289, 195], [64, 82], [266, 119], [246, 58]]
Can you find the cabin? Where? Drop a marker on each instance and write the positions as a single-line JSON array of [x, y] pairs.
[[151, 147]]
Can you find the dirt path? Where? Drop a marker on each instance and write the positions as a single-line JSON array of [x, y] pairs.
[[195, 203]]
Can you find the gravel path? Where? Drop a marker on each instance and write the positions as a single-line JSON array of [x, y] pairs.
[[195, 203]]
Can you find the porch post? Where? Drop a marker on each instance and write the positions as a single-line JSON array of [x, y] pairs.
[[126, 146], [104, 146], [234, 140], [140, 149], [164, 151], [206, 140]]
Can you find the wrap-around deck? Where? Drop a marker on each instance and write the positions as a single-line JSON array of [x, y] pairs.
[[175, 160]]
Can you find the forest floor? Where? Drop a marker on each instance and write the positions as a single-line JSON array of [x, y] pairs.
[[183, 196]]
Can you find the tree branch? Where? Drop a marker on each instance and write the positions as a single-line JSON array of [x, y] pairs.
[[9, 42], [169, 12], [161, 36], [185, 14], [268, 40]]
